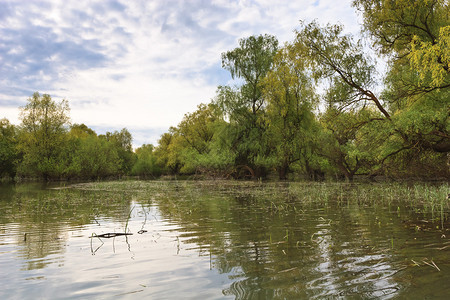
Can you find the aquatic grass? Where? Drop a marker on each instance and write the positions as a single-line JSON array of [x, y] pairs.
[[71, 205], [285, 197]]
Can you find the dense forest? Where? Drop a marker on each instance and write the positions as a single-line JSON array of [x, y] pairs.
[[312, 107]]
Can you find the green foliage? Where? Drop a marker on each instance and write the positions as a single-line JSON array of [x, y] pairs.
[[146, 162], [122, 142], [419, 119], [43, 134], [339, 59], [424, 123], [8, 149], [432, 59], [195, 145], [81, 131], [393, 24], [44, 147], [412, 32], [244, 107], [291, 98], [250, 62], [167, 153], [197, 128], [95, 158], [347, 140]]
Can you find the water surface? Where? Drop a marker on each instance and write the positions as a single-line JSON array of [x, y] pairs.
[[231, 240]]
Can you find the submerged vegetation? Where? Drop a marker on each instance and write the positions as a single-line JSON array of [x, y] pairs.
[[275, 121]]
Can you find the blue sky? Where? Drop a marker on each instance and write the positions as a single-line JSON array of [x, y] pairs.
[[136, 64]]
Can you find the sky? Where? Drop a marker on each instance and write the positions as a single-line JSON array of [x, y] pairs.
[[137, 64]]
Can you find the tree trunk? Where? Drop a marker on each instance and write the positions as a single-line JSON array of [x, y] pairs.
[[282, 173], [348, 175]]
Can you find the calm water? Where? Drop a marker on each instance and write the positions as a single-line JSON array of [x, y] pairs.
[[211, 240]]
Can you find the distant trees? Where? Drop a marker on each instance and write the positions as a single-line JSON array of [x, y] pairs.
[[195, 145], [93, 157], [45, 145], [8, 148], [195, 135], [146, 162], [122, 143]]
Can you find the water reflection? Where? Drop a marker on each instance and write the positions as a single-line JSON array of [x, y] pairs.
[[245, 242], [39, 220], [289, 250]]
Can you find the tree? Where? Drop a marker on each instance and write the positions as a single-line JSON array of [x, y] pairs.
[[415, 35], [81, 131], [399, 28], [348, 140], [8, 148], [250, 62], [339, 59], [167, 153], [146, 164], [432, 59], [122, 141], [197, 128], [291, 97], [244, 106], [95, 158], [196, 139], [44, 128]]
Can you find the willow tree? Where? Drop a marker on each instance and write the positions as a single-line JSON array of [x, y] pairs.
[[250, 62], [415, 32], [244, 106], [340, 60], [196, 135], [42, 140], [290, 98], [168, 152], [415, 37], [351, 140], [197, 128]]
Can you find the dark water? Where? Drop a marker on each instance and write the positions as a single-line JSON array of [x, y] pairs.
[[210, 240]]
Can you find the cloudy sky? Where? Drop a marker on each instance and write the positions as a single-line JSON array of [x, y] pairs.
[[135, 63]]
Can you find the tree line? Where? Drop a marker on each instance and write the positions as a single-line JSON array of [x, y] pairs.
[[311, 107]]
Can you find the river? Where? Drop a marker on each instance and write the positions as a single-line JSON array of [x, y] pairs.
[[224, 240]]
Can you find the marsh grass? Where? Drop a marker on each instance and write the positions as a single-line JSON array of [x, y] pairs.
[[430, 200], [70, 205]]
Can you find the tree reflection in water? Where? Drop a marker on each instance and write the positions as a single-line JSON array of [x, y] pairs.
[[287, 240]]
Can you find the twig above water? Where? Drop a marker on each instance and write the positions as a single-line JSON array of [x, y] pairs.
[[112, 234]]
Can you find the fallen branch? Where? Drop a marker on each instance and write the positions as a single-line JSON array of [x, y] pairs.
[[112, 234]]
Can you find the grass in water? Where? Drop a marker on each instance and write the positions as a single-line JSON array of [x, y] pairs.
[[430, 199]]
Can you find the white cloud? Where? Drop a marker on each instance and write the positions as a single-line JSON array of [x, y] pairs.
[[137, 64]]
